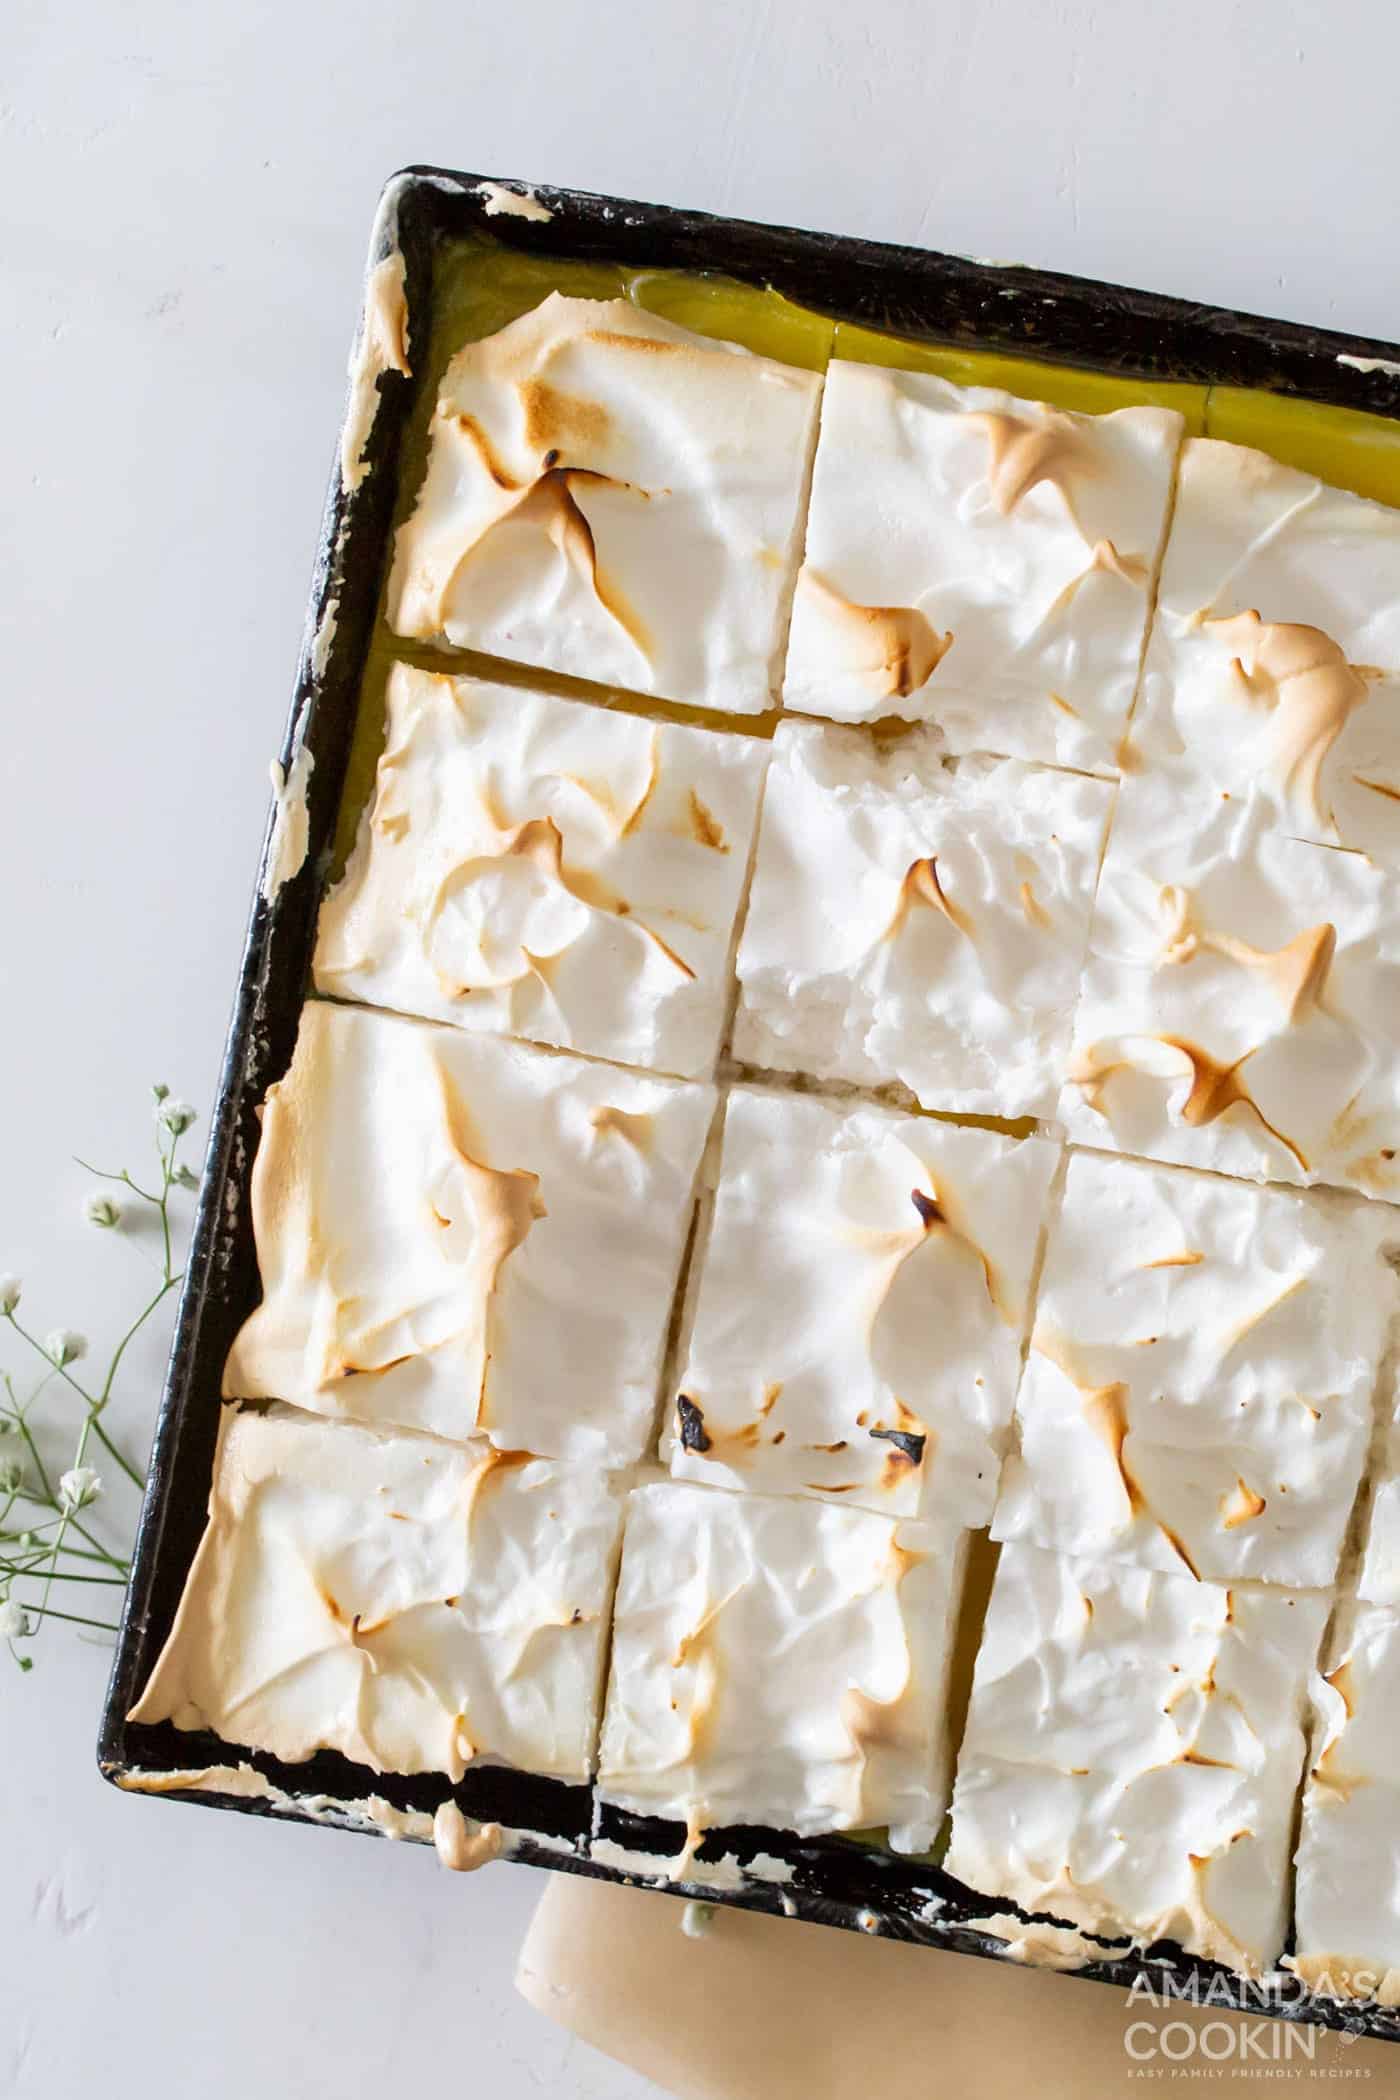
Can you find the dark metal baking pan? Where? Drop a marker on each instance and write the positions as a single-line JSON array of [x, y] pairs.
[[905, 291]]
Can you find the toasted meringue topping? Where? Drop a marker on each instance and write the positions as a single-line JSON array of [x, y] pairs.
[[1348, 1918], [361, 1593], [494, 1198], [1236, 1008], [1273, 673], [966, 562], [913, 922], [859, 1305], [537, 867], [778, 1662], [611, 496], [1132, 1753], [381, 346], [1200, 1379]]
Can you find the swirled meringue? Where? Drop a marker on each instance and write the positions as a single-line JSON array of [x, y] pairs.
[[377, 1595], [1199, 1391], [1274, 667], [611, 496], [1132, 1753], [861, 1302], [778, 1662], [1238, 1006], [918, 922], [980, 562], [535, 867], [460, 1234]]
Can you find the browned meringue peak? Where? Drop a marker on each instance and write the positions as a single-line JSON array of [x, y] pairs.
[[1236, 1008], [1199, 1387], [1025, 451], [585, 509], [1303, 678], [978, 562], [1273, 671], [534, 867], [893, 649], [779, 1662], [479, 1289], [1133, 1751], [416, 1605], [857, 1307]]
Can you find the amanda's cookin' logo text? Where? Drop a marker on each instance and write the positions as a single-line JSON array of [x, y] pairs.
[[1162, 2044]]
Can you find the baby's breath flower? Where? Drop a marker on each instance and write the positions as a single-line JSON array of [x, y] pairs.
[[10, 1288], [101, 1209], [77, 1489], [177, 1116], [185, 1178], [11, 1476], [65, 1345], [159, 1092], [13, 1622]]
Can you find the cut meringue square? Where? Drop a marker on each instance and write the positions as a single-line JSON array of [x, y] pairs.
[[979, 561], [540, 868], [1239, 1001], [1278, 620], [1133, 1750], [779, 1662], [611, 496], [416, 1605], [1199, 1392], [1348, 1880], [461, 1234], [863, 1291], [918, 921]]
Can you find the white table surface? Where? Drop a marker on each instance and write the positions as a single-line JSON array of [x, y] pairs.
[[186, 197]]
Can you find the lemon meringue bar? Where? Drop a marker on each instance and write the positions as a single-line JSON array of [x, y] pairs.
[[534, 867], [863, 1292], [918, 921], [1348, 1920], [979, 561], [778, 1662], [1274, 668], [1200, 1387], [376, 1594], [612, 496], [1238, 1009], [1133, 1750], [460, 1234]]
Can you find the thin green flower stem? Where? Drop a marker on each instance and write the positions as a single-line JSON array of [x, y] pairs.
[[51, 1611], [168, 1284], [116, 1582]]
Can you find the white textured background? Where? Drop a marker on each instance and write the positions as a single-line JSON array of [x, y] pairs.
[[187, 192]]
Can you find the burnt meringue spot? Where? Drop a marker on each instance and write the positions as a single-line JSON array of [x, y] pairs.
[[694, 1435], [907, 1444]]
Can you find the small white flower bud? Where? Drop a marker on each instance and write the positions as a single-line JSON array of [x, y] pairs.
[[77, 1489], [65, 1345], [185, 1178], [177, 1116], [14, 1624], [101, 1209], [10, 1288], [159, 1092], [11, 1476]]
